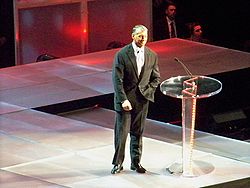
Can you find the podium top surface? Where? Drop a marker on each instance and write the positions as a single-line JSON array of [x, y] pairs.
[[206, 86]]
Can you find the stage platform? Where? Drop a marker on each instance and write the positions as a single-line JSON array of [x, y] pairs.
[[44, 150], [75, 148], [89, 75]]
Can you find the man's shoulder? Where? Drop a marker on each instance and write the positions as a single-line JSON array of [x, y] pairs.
[[149, 50], [124, 50]]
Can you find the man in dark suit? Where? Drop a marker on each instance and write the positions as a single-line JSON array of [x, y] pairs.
[[167, 26], [135, 75]]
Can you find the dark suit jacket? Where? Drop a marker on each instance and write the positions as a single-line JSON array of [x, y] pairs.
[[161, 30], [127, 84]]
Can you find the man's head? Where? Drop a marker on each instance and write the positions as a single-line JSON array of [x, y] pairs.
[[195, 29], [140, 35], [171, 10]]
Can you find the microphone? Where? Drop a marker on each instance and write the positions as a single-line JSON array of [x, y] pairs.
[[184, 67]]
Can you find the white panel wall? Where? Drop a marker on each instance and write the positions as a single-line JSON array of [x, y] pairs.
[[112, 20], [65, 28]]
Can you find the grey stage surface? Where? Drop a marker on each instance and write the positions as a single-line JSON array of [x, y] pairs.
[[43, 150]]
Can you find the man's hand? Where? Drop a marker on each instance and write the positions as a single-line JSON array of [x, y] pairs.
[[126, 105]]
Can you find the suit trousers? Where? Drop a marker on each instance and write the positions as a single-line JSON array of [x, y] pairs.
[[132, 122]]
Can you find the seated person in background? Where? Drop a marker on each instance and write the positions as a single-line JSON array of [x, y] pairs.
[[45, 57], [246, 46], [196, 33], [2, 40], [115, 44]]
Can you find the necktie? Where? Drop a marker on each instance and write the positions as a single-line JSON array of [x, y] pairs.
[[140, 60], [172, 30]]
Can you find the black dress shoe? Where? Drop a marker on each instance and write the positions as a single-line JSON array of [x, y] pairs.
[[116, 169], [138, 168]]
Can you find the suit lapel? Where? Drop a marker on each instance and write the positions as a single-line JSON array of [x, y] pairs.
[[132, 59]]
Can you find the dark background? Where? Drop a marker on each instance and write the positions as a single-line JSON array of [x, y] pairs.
[[226, 23], [7, 50]]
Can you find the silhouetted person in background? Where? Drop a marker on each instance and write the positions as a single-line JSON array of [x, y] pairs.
[[5, 55], [196, 33], [115, 44], [7, 43], [166, 25], [2, 40], [246, 46], [45, 57]]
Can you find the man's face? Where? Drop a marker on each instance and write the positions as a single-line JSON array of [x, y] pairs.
[[140, 38], [171, 11], [197, 31]]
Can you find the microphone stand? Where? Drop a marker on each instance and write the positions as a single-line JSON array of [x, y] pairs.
[[184, 67]]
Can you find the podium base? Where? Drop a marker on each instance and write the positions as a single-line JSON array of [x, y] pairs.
[[199, 168], [175, 168]]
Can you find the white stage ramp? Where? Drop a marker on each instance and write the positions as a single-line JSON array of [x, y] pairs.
[[43, 150]]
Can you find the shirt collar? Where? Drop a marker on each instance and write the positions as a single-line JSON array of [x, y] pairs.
[[136, 48], [169, 21]]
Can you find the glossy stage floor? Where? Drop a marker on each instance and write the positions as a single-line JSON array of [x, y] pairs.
[[75, 148]]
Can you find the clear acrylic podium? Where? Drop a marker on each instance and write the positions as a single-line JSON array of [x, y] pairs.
[[189, 89]]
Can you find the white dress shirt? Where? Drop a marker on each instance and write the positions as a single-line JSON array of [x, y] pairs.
[[169, 27], [139, 54]]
